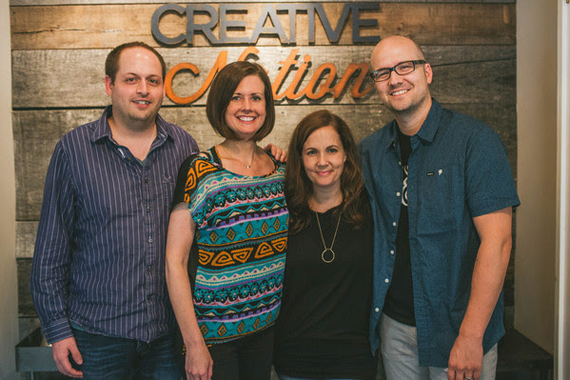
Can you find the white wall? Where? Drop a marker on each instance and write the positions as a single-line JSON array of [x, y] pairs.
[[8, 270], [535, 259], [562, 358]]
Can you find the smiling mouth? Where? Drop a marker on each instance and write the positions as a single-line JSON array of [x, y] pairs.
[[246, 118], [400, 92], [143, 102]]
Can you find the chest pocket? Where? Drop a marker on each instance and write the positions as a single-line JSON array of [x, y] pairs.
[[166, 189], [439, 196]]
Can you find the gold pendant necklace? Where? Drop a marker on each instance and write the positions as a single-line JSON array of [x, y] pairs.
[[325, 250]]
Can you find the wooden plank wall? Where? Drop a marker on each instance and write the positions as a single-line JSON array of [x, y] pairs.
[[59, 48]]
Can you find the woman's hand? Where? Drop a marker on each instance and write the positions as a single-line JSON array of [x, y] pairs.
[[199, 363]]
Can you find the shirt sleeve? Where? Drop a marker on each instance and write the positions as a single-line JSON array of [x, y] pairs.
[[49, 280], [490, 183], [184, 182]]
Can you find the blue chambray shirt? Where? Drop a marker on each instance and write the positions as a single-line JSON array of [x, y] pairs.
[[458, 169], [100, 249]]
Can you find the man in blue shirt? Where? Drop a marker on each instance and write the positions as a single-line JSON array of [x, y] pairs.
[[442, 194], [97, 278]]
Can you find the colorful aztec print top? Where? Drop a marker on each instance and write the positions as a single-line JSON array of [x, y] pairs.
[[237, 261]]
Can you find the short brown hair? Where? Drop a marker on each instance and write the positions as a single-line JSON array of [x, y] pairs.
[[222, 91], [298, 186], [112, 62]]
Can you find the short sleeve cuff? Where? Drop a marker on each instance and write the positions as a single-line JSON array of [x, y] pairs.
[[57, 330]]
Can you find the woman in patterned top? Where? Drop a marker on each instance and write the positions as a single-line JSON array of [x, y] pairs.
[[322, 332], [229, 207]]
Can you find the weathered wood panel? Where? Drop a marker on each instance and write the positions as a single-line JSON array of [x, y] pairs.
[[99, 2], [25, 304], [74, 79], [106, 26], [25, 239]]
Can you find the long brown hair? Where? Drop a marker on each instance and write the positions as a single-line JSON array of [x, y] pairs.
[[298, 187]]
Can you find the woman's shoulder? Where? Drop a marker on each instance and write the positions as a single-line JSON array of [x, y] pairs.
[[201, 159], [195, 168]]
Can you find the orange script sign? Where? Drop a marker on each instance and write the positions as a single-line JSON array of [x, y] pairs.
[[320, 84]]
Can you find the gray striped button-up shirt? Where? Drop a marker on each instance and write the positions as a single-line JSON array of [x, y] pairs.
[[99, 255]]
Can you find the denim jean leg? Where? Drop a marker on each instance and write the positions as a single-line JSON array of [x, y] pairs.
[[158, 360], [399, 348], [105, 357]]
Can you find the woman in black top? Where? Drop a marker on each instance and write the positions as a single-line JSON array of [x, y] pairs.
[[322, 332]]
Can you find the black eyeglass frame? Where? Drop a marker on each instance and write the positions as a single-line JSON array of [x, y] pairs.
[[375, 73]]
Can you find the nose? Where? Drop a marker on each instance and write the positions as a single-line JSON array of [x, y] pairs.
[[394, 79], [321, 160], [142, 88], [246, 104]]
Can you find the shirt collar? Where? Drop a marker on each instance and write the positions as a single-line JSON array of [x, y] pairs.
[[427, 130], [429, 127], [103, 130]]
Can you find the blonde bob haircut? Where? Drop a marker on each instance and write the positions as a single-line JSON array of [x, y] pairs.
[[222, 91]]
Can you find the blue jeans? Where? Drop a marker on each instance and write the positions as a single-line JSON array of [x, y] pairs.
[[111, 358], [399, 348]]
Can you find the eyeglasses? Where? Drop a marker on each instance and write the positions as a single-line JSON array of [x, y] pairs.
[[402, 68]]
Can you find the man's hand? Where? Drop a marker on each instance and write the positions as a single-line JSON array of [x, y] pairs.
[[61, 351], [279, 154], [466, 359]]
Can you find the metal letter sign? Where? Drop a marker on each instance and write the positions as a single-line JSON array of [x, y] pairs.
[[218, 19]]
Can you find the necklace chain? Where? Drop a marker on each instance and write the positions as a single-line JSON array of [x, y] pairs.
[[330, 249], [240, 161], [251, 162]]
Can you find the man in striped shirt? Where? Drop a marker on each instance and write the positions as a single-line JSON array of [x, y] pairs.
[[98, 269]]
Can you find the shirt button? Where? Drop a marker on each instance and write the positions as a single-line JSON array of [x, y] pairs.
[[146, 180], [386, 280], [377, 310], [150, 240], [394, 224], [391, 251], [398, 194]]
